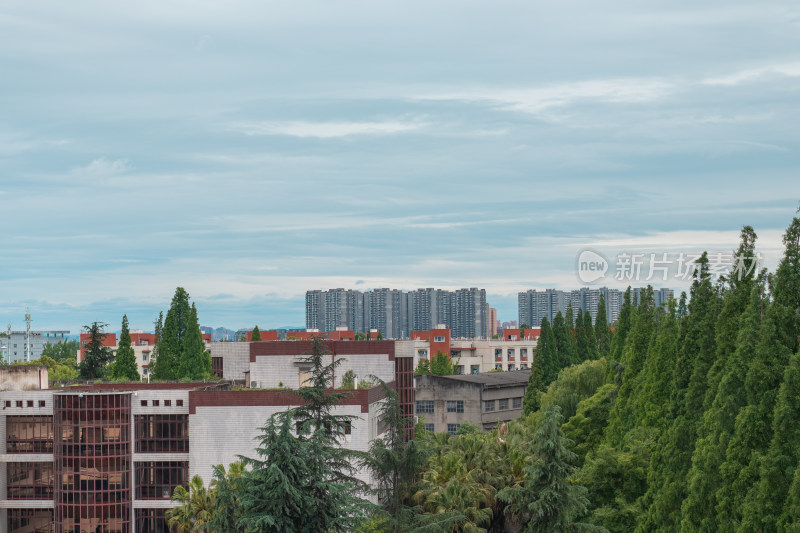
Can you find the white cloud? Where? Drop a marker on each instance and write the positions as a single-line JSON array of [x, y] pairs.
[[326, 130], [104, 167], [539, 99], [791, 70]]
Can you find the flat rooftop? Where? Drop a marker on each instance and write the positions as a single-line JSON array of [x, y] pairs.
[[493, 379]]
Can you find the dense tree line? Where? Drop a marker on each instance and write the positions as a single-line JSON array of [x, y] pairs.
[[684, 417]]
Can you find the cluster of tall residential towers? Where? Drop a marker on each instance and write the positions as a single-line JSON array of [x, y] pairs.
[[396, 313]]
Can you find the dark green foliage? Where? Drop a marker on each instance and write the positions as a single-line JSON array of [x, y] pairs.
[[602, 332], [546, 356], [423, 367], [125, 367], [586, 427], [566, 347], [256, 334], [96, 356], [181, 351], [623, 325], [194, 361], [304, 481], [546, 500], [227, 490]]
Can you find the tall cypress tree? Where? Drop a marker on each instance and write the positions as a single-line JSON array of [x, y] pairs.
[[589, 340], [602, 332], [125, 363], [722, 402], [764, 503], [256, 335], [623, 325], [96, 355], [194, 361], [565, 344]]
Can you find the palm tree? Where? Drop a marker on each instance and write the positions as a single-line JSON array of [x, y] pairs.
[[196, 509]]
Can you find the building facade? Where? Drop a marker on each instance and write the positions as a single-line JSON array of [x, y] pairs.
[[444, 403]]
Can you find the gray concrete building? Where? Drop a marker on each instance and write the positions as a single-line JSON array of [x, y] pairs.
[[446, 402]]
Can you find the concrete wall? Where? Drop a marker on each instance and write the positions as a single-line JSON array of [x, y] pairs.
[[275, 371], [20, 378], [235, 358]]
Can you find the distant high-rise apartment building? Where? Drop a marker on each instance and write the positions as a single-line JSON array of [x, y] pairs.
[[396, 313], [535, 305]]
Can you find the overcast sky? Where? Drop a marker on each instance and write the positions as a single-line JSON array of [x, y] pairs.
[[249, 151]]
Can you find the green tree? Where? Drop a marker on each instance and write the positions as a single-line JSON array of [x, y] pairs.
[[256, 336], [302, 479], [546, 356], [348, 380], [96, 356], [64, 353], [226, 489], [196, 507], [566, 347], [602, 332], [423, 367], [181, 351], [194, 361], [623, 325], [125, 363], [442, 365], [546, 500]]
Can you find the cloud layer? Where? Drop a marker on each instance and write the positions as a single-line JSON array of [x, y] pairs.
[[250, 151]]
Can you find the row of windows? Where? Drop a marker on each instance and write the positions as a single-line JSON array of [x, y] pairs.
[[424, 406], [26, 403], [502, 404], [511, 354], [511, 366], [157, 403]]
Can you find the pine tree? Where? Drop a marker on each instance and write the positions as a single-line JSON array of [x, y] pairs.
[[256, 335], [546, 500], [96, 356], [764, 503], [589, 337], [602, 332], [623, 325], [786, 288], [565, 344], [737, 329], [194, 361], [125, 363], [303, 479], [546, 355], [181, 351]]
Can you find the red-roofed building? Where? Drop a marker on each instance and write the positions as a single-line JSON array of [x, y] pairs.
[[265, 336]]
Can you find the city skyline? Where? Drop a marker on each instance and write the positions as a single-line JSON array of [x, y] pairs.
[[250, 152]]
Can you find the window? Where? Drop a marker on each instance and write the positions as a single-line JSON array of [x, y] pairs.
[[19, 403], [456, 406], [156, 480], [217, 366], [162, 433], [438, 339], [42, 403], [516, 403], [156, 403], [511, 354], [422, 354], [144, 356], [460, 370], [424, 406], [428, 427], [167, 403], [345, 428], [151, 520], [144, 403], [523, 354], [452, 428], [523, 366], [498, 354], [30, 403], [503, 404], [179, 403], [30, 481], [29, 434], [8, 403], [475, 369], [512, 367], [498, 366], [24, 520], [488, 405]]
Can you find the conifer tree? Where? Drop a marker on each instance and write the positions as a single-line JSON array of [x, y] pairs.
[[303, 480], [565, 344], [125, 362], [256, 335], [546, 355], [194, 361], [96, 356], [602, 332], [764, 503], [589, 340], [623, 325], [546, 500]]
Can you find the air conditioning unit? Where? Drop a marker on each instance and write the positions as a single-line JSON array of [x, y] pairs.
[[254, 384]]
